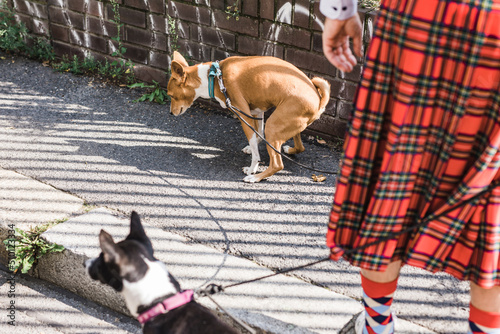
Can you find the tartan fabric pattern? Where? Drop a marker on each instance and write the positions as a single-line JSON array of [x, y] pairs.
[[425, 135]]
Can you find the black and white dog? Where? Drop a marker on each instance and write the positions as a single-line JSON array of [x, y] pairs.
[[151, 293]]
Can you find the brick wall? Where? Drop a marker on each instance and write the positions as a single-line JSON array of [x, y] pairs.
[[290, 30]]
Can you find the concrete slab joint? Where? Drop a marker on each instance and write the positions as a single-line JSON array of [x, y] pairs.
[[26, 203]]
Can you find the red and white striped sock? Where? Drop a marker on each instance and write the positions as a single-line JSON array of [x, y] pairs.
[[483, 322]]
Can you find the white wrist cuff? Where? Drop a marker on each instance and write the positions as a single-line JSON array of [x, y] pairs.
[[338, 9]]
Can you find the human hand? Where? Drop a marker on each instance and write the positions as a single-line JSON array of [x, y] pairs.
[[336, 35]]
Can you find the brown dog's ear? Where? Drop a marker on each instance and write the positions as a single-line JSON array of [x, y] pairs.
[[178, 71], [180, 59], [109, 248]]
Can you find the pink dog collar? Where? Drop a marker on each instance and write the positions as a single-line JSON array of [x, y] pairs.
[[168, 304]]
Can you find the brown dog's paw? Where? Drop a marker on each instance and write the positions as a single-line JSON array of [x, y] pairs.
[[247, 150], [251, 179], [250, 170]]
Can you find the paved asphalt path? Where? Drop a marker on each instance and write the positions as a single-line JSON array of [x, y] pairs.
[[43, 308], [184, 174]]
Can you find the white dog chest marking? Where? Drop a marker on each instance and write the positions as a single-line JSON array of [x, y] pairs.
[[202, 91], [154, 284]]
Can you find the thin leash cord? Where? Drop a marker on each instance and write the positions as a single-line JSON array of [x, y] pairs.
[[241, 323], [226, 238], [236, 111], [275, 150], [221, 265], [213, 288]]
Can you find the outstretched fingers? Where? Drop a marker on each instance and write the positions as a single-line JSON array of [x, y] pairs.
[[336, 34], [342, 57]]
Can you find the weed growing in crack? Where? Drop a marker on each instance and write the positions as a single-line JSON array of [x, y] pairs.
[[29, 247], [172, 33], [156, 94], [14, 38], [112, 72], [233, 11]]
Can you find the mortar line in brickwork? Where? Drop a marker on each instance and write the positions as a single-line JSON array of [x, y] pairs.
[[70, 24], [34, 9], [100, 9], [217, 30], [153, 40]]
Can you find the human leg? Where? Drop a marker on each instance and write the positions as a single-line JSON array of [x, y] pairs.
[[389, 275], [378, 291]]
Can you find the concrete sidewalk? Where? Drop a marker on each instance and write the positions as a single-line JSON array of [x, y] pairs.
[[87, 147], [280, 304], [44, 308]]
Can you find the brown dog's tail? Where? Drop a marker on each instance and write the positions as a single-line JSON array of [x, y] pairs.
[[323, 88]]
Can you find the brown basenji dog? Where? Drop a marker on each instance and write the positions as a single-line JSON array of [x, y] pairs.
[[255, 85]]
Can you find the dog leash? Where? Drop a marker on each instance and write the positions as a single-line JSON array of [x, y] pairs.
[[241, 323], [212, 289], [215, 72]]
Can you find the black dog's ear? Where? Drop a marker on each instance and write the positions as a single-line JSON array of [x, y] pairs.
[[112, 253], [136, 229], [137, 232]]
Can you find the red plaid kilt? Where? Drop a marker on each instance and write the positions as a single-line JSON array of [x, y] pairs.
[[424, 137]]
